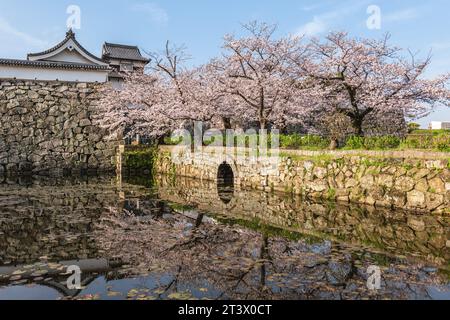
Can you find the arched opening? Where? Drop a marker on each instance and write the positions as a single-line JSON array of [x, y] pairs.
[[225, 182]]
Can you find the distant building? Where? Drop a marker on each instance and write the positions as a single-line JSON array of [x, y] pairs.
[[123, 58], [67, 61], [438, 125], [70, 61]]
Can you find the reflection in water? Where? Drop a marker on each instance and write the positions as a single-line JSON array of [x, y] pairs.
[[54, 273], [225, 183], [181, 240], [396, 232]]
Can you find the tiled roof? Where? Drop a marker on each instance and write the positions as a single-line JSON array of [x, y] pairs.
[[69, 35], [51, 64], [119, 51]]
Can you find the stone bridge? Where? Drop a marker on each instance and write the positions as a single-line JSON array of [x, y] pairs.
[[416, 181], [213, 164]]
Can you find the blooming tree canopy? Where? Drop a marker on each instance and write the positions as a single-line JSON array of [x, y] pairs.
[[256, 75], [362, 77], [160, 100], [134, 109], [277, 81]]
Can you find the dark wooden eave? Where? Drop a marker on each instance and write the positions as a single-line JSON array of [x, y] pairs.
[[51, 64], [122, 52]]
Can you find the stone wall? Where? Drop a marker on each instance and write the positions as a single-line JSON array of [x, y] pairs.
[[47, 127], [394, 180]]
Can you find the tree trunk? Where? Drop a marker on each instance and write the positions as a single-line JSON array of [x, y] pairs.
[[160, 140], [334, 144], [263, 124], [226, 123], [199, 220], [264, 256], [357, 125]]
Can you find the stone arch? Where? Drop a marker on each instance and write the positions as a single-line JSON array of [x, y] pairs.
[[224, 159], [225, 182], [225, 173]]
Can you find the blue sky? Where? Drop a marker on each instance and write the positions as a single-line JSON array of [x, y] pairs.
[[34, 25]]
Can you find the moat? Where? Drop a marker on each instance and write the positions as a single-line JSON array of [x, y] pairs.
[[180, 238]]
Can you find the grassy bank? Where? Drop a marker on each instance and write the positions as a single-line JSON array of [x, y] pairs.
[[433, 140]]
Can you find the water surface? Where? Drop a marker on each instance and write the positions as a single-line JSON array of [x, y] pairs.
[[187, 239]]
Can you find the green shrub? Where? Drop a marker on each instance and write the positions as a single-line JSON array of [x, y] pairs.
[[383, 142], [296, 141], [292, 141], [413, 127], [416, 142], [441, 142], [430, 132], [169, 141], [426, 139], [372, 143], [436, 140], [354, 143]]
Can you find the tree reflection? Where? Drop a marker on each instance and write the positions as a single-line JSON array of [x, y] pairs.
[[240, 263], [184, 238]]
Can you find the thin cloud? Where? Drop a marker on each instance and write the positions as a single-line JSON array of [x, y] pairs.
[[153, 11], [324, 22], [311, 7], [440, 45], [402, 15], [320, 23], [315, 27], [315, 6], [7, 30]]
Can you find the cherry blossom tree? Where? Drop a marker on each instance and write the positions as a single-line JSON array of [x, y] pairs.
[[277, 81], [160, 100], [255, 72], [134, 108], [186, 95], [362, 77], [224, 106]]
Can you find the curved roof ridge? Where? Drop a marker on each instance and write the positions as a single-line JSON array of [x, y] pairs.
[[70, 35]]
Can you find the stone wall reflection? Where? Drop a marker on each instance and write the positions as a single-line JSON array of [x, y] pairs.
[[167, 233], [54, 218], [398, 232]]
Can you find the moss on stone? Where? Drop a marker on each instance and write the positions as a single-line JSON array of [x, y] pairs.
[[322, 159], [331, 194], [140, 159], [374, 162]]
